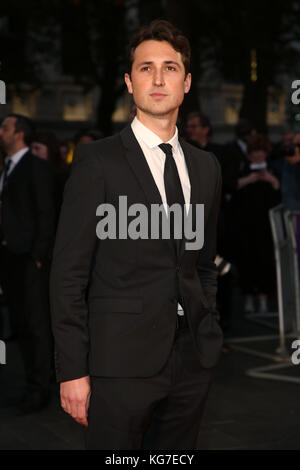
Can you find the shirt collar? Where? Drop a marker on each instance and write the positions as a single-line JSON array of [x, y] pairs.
[[242, 145], [150, 138], [17, 156]]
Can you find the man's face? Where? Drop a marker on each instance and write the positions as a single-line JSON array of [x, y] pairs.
[[39, 150], [158, 82], [7, 134], [258, 156], [195, 130]]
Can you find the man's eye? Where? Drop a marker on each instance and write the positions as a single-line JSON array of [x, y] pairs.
[[170, 67], [145, 68]]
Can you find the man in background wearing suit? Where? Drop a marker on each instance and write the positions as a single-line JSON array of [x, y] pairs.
[[27, 227], [134, 319]]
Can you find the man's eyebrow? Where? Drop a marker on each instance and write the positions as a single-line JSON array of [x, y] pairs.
[[145, 63], [171, 62], [149, 62]]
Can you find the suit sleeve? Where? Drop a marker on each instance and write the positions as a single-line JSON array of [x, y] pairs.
[[72, 258], [43, 192], [206, 266]]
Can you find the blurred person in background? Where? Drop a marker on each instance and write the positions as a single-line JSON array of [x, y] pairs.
[[234, 162], [81, 137], [64, 149], [289, 169], [46, 146], [236, 154], [280, 149], [26, 241], [199, 133], [87, 135], [258, 191]]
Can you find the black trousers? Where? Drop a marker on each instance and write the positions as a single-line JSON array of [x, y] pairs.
[[159, 412], [25, 287]]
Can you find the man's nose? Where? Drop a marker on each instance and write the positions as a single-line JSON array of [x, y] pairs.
[[158, 78]]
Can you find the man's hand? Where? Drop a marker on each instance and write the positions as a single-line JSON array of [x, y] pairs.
[[251, 178], [269, 178], [38, 264], [75, 398], [293, 160]]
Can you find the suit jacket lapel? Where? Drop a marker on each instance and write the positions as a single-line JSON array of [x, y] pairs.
[[18, 166], [194, 182], [14, 172], [139, 166]]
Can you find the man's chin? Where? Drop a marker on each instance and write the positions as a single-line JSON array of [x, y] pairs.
[[159, 111]]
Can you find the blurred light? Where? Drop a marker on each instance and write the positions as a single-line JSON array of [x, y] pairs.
[[253, 64], [297, 117], [70, 153]]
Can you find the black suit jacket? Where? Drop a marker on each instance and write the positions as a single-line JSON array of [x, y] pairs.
[[114, 301], [28, 208], [234, 163]]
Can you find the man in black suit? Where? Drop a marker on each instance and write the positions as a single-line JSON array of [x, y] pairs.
[[27, 227], [134, 318], [199, 132]]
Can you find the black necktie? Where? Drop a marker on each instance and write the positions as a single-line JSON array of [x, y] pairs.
[[4, 181], [5, 173], [173, 187]]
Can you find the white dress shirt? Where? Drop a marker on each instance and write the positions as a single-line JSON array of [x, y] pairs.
[[15, 158], [149, 142]]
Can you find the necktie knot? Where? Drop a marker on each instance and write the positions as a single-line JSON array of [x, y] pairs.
[[7, 165], [167, 149]]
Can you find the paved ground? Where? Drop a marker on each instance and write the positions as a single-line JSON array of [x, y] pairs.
[[242, 412]]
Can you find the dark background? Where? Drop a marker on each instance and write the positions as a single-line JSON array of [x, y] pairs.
[[253, 44]]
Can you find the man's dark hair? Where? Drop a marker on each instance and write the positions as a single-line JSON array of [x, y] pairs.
[[162, 30], [94, 134], [259, 142], [24, 124], [49, 139]]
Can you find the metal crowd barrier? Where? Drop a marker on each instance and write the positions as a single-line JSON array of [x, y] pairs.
[[283, 226], [288, 290]]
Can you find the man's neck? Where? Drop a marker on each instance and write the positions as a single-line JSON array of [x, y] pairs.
[[164, 127], [202, 141], [15, 149]]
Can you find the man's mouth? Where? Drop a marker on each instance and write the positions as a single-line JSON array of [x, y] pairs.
[[157, 95]]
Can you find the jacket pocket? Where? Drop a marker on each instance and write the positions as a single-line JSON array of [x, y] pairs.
[[116, 305]]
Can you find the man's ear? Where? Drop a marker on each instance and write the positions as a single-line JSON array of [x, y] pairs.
[[128, 83], [187, 82]]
